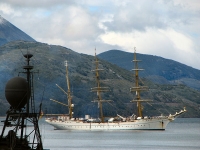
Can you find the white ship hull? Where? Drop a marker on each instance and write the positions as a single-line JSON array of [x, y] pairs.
[[143, 124], [126, 123]]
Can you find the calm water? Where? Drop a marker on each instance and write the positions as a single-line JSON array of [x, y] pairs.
[[182, 134]]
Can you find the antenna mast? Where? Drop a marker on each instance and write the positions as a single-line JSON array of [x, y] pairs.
[[19, 93]]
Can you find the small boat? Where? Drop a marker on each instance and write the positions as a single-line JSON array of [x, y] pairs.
[[134, 122]]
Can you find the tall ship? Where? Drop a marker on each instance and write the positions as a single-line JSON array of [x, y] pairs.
[[134, 122]]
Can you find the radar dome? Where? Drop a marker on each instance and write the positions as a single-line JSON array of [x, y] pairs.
[[17, 92]]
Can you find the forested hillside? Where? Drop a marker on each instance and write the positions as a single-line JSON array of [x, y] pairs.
[[48, 62], [157, 69]]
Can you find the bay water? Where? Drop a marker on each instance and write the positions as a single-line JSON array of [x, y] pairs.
[[182, 134]]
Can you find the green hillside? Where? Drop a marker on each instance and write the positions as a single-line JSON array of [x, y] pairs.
[[157, 69], [49, 61]]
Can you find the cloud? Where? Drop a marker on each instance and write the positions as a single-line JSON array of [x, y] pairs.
[[6, 9], [139, 15], [30, 4], [167, 28], [166, 43]]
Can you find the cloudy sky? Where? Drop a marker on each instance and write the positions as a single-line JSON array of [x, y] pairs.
[[166, 28]]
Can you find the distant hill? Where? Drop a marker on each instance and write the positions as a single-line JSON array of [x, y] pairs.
[[158, 69], [49, 61], [9, 32]]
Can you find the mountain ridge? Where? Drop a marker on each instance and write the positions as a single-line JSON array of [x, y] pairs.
[[9, 32], [166, 70], [49, 60]]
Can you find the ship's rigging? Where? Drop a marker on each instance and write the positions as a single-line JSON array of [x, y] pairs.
[[98, 89], [68, 93], [137, 88]]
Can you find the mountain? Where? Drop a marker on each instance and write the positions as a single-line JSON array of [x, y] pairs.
[[9, 32], [157, 69], [48, 62]]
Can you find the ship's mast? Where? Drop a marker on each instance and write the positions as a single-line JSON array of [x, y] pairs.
[[69, 97], [68, 93], [137, 87], [99, 89]]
